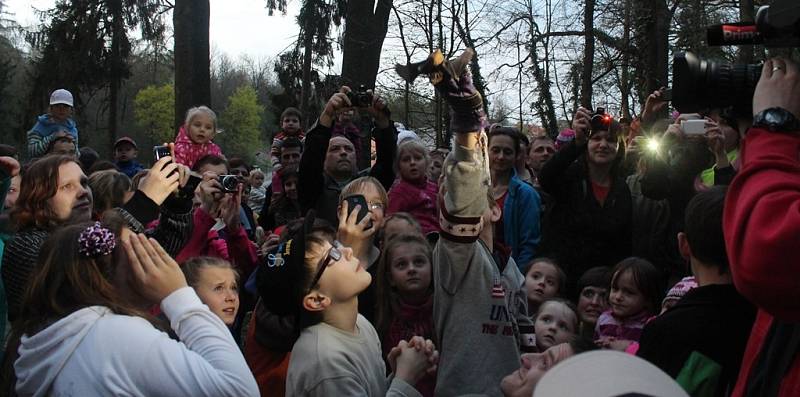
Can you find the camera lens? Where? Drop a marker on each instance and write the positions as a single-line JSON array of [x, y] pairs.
[[230, 182], [699, 84]]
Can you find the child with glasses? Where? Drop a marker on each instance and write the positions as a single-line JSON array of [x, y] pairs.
[[317, 280], [360, 235]]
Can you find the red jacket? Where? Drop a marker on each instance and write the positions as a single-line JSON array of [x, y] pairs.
[[418, 199], [762, 233], [235, 248]]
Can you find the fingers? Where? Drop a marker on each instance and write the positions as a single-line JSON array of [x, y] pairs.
[[161, 253], [149, 250], [343, 214], [133, 259]]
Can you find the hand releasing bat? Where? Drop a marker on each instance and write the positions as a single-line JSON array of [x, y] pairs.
[[435, 63]]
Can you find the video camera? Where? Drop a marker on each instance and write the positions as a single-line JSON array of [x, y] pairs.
[[699, 84]]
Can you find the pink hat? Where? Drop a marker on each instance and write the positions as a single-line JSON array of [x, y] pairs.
[[681, 288]]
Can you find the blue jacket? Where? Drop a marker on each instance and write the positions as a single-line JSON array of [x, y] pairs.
[[129, 168], [46, 126], [521, 221]]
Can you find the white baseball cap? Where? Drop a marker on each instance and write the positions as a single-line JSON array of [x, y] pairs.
[[61, 96], [606, 373]]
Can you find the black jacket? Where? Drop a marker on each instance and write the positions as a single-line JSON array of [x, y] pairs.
[[319, 191], [713, 320], [579, 232]]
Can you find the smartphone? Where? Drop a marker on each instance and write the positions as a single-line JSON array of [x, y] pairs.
[[666, 95], [161, 151], [693, 127], [353, 201]]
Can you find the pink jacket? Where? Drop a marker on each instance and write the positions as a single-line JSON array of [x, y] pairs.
[[188, 152], [418, 199], [235, 247]]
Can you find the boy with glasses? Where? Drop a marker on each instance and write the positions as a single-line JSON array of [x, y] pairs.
[[316, 281]]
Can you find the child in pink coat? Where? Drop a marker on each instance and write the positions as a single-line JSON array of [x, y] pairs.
[[414, 192], [195, 137]]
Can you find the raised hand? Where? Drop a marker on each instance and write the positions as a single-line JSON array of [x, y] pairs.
[[582, 123], [778, 87], [155, 274], [162, 179]]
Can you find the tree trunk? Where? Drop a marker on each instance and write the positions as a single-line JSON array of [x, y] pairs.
[[364, 33], [305, 88], [625, 86], [117, 63], [653, 45], [544, 105], [588, 55], [192, 62]]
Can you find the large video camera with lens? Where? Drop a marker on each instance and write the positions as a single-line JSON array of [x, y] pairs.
[[699, 84]]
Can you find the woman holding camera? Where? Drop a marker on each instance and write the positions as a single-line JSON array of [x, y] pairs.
[[590, 223], [230, 242]]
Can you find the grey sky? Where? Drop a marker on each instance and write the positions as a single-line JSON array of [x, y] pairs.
[[237, 27]]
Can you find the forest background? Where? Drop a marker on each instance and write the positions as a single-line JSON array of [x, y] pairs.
[[135, 66]]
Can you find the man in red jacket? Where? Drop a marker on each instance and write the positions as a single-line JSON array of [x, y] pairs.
[[762, 234]]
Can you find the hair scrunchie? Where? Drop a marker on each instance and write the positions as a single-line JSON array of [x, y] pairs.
[[96, 241]]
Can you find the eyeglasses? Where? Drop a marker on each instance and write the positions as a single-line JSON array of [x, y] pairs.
[[375, 206], [333, 255], [547, 149]]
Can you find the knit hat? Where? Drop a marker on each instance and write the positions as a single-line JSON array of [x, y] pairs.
[[564, 137], [680, 289], [280, 272], [61, 96], [606, 373], [404, 135]]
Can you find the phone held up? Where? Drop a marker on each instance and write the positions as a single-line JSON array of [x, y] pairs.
[[693, 127], [353, 201]]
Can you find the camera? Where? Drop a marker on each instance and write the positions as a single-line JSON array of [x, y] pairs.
[[601, 121], [230, 183], [360, 98], [161, 151], [699, 84]]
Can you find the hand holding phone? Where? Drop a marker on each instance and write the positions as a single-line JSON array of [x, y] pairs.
[[361, 201], [693, 127]]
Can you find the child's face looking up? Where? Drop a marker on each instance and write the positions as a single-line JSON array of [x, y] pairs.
[[541, 282], [201, 128], [410, 271]]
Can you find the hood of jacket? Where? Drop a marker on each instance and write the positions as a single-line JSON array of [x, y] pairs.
[[43, 355]]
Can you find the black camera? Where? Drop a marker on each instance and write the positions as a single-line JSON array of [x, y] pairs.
[[161, 151], [230, 183], [601, 121], [699, 84], [360, 98]]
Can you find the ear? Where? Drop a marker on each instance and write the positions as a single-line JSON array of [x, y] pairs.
[[316, 302], [497, 212], [683, 246]]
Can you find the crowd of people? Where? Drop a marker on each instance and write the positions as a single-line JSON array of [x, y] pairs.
[[622, 257]]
